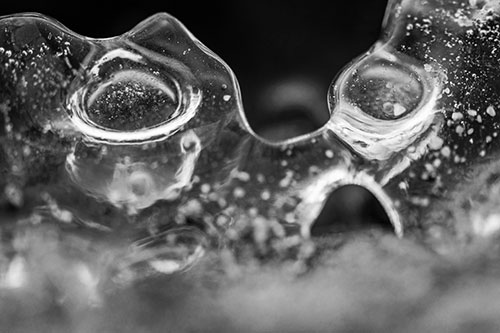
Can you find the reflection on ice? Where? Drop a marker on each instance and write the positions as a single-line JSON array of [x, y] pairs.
[[135, 178], [164, 253], [16, 275]]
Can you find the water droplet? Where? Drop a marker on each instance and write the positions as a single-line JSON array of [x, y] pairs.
[[491, 111]]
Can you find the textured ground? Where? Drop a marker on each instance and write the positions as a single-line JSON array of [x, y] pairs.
[[368, 281]]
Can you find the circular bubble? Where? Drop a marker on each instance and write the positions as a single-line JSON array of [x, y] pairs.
[[127, 99], [384, 90]]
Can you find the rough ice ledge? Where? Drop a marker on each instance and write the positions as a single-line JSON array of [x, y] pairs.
[[144, 134]]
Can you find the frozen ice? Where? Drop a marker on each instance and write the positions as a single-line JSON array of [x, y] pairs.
[[131, 157]]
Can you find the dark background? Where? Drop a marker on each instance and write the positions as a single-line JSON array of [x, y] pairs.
[[297, 46]]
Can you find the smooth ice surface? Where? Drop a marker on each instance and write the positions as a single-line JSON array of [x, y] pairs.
[[129, 158]]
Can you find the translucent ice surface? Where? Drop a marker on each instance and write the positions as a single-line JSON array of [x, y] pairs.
[[130, 157], [421, 108], [102, 140]]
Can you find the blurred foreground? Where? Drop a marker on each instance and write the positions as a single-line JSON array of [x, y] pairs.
[[367, 281]]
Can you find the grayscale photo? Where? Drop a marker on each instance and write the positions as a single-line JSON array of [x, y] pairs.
[[250, 166]]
